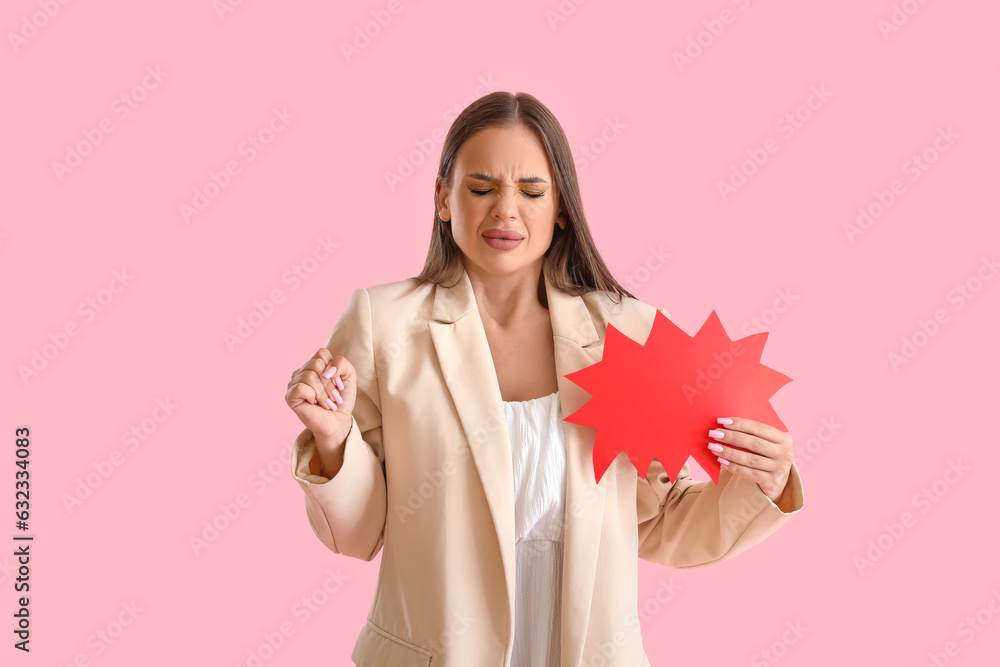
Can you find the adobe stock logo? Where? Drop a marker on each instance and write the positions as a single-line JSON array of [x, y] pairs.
[[271, 641], [122, 107], [248, 149], [587, 153], [895, 530], [713, 29], [362, 38], [30, 25], [655, 260], [562, 12], [883, 200], [432, 141], [968, 629], [88, 310], [106, 466], [779, 647], [107, 633], [899, 17], [263, 309], [223, 7], [787, 125], [927, 329]]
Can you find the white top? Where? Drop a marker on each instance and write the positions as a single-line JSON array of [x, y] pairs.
[[538, 452]]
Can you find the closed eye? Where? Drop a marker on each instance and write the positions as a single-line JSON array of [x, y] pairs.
[[481, 193]]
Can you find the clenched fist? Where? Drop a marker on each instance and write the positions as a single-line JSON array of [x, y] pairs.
[[322, 393]]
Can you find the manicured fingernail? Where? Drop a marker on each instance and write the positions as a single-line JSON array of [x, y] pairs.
[[340, 383], [725, 420], [329, 372], [717, 434], [714, 447], [329, 402], [723, 461], [337, 397]]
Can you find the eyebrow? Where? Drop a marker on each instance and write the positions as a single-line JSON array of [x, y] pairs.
[[527, 179]]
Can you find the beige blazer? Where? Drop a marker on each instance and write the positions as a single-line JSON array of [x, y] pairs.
[[427, 479]]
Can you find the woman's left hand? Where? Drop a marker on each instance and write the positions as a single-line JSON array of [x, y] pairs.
[[768, 460]]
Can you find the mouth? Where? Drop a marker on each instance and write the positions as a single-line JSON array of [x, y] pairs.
[[503, 234], [502, 239]]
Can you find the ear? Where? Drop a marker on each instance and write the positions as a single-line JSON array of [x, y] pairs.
[[441, 200]]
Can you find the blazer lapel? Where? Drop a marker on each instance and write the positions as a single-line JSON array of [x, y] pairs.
[[463, 353], [578, 344]]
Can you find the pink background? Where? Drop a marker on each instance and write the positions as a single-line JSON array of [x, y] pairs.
[[774, 252]]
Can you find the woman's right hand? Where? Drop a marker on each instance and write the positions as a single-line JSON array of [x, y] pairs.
[[324, 404]]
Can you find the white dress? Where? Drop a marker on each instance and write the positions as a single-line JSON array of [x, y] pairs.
[[538, 452]]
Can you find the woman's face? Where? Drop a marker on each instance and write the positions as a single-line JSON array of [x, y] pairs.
[[501, 185]]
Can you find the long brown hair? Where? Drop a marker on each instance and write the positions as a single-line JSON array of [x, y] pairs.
[[573, 263]]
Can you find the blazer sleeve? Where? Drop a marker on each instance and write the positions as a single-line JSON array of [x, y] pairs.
[[686, 523], [348, 512], [691, 524]]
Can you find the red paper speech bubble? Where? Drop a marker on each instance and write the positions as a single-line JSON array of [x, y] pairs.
[[660, 399]]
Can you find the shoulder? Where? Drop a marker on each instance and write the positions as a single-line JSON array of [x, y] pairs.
[[407, 289], [396, 307], [620, 307], [632, 317]]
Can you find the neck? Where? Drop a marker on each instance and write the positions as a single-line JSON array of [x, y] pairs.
[[506, 299]]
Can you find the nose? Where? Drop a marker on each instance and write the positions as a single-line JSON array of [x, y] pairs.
[[505, 206]]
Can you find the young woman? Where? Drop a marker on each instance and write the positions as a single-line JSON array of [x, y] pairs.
[[434, 430]]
